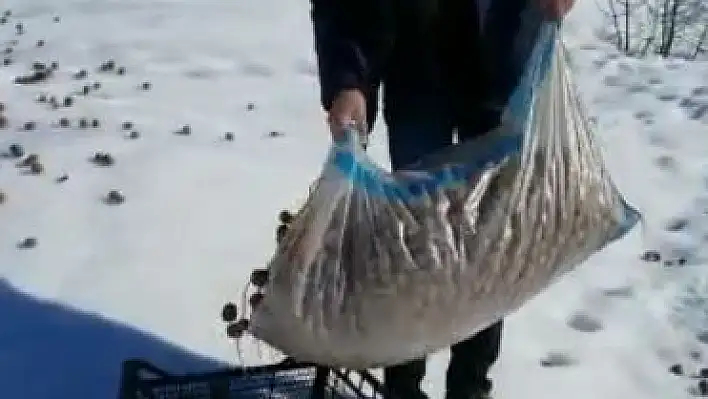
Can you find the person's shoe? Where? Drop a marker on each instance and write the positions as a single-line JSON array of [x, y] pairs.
[[403, 391], [410, 395]]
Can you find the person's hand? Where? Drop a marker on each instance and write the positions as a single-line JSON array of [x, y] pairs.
[[348, 108], [556, 9]]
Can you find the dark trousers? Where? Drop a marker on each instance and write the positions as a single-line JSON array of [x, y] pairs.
[[466, 377], [422, 122]]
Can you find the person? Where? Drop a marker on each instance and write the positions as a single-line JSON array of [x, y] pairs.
[[446, 68]]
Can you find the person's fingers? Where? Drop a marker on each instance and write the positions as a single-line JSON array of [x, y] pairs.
[[338, 123], [350, 121], [343, 127], [347, 112]]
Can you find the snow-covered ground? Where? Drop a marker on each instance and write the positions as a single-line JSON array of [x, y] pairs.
[[147, 278]]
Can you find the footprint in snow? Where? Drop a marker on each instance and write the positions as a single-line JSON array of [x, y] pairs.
[[588, 46], [256, 70], [677, 224], [659, 139], [688, 102], [673, 66], [643, 115], [600, 63], [702, 337], [699, 113], [667, 96], [613, 81], [655, 81], [666, 162], [646, 117], [201, 73], [584, 322], [696, 106], [558, 359], [624, 292], [700, 91], [625, 68], [634, 88]]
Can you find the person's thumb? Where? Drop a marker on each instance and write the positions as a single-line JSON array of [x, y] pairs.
[[341, 120], [358, 121]]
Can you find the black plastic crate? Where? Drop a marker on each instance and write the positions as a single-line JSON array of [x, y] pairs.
[[287, 380]]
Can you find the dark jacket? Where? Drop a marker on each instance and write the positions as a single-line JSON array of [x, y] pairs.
[[417, 49]]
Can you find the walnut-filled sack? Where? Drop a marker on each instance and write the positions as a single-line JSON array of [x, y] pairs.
[[380, 268]]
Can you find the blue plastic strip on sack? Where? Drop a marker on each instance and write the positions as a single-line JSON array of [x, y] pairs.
[[371, 178]]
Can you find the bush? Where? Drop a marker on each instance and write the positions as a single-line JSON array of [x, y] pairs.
[[669, 28]]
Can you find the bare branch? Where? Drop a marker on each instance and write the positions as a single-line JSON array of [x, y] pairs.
[[701, 40]]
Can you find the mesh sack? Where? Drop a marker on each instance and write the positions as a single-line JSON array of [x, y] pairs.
[[379, 268]]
